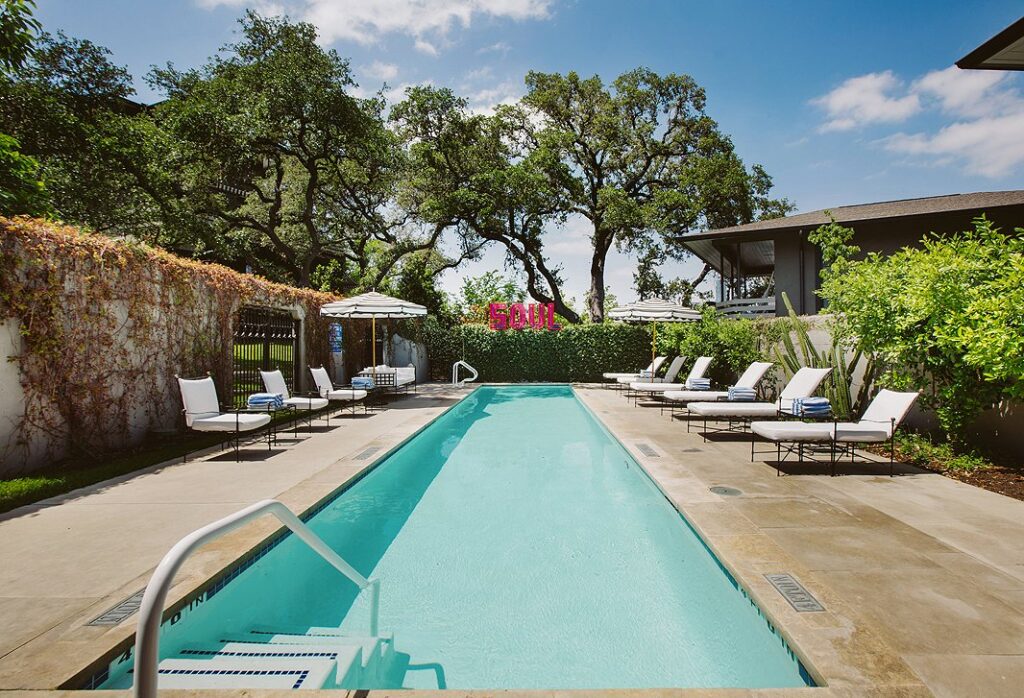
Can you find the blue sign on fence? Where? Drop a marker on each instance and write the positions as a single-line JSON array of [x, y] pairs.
[[336, 339]]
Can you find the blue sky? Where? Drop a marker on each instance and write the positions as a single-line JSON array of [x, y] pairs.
[[841, 102]]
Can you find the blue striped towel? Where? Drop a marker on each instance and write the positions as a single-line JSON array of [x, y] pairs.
[[644, 373], [362, 382], [698, 384], [811, 407], [273, 401], [742, 394]]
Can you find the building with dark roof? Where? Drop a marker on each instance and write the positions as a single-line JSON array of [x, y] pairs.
[[745, 256], [1004, 51]]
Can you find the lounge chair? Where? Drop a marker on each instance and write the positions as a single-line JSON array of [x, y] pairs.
[[203, 411], [877, 425], [274, 383], [749, 381], [391, 379], [803, 384], [652, 368], [639, 389], [325, 387]]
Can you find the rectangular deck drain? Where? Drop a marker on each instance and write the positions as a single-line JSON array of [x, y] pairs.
[[793, 591], [367, 452], [119, 612], [647, 450]]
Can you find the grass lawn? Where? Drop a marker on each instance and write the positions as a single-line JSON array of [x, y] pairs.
[[71, 474]]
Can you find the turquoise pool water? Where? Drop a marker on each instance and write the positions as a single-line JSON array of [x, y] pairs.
[[518, 546]]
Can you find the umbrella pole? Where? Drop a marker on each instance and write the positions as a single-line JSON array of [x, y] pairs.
[[654, 345], [373, 349]]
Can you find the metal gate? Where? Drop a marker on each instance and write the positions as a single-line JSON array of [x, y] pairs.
[[266, 340]]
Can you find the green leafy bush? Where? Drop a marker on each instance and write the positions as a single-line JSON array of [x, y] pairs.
[[575, 353], [944, 319], [733, 343]]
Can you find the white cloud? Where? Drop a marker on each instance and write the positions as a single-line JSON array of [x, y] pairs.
[[969, 93], [486, 100], [365, 21], [424, 46], [988, 146], [866, 99], [381, 71], [499, 47], [983, 111]]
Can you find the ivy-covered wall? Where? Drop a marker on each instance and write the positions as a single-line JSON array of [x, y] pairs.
[[94, 330]]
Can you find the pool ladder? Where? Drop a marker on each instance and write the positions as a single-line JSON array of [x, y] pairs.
[[147, 635], [455, 373]]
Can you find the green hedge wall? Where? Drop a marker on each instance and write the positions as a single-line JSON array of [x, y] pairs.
[[575, 353]]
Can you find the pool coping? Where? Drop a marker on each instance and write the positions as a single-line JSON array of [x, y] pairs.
[[237, 549]]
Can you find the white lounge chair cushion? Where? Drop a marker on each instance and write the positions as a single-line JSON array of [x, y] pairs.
[[306, 403], [696, 395], [200, 398], [793, 431], [246, 421], [274, 382], [635, 375], [346, 395], [642, 387], [404, 375], [733, 409], [616, 376], [822, 431]]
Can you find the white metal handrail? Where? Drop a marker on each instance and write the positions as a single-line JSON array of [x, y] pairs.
[[455, 373], [147, 635]]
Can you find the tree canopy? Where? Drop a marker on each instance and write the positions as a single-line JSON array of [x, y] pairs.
[[266, 158]]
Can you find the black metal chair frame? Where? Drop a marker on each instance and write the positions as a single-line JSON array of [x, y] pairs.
[[837, 449]]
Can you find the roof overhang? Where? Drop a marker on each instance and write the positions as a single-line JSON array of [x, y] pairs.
[[735, 256], [1004, 51]]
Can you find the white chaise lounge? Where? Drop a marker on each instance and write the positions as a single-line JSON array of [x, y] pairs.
[[749, 380], [640, 389], [203, 411], [803, 384], [274, 383], [652, 368], [877, 425], [346, 396]]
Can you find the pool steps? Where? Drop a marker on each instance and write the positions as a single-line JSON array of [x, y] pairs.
[[282, 659]]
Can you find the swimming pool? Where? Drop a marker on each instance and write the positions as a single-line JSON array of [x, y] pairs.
[[518, 546]]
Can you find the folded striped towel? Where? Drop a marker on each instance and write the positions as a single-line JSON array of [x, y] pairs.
[[811, 407], [742, 394], [644, 373], [274, 401], [698, 384], [362, 382]]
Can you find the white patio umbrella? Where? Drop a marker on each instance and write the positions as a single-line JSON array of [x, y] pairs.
[[373, 306], [654, 310]]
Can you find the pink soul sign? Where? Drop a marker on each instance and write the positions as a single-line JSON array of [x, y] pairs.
[[519, 316]]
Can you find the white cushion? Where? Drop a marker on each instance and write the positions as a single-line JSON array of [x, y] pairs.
[[642, 387], [733, 409], [199, 397], [322, 380], [274, 381], [753, 375], [345, 394], [616, 376], [307, 403], [246, 421], [696, 395], [700, 367], [405, 375], [793, 431], [820, 431]]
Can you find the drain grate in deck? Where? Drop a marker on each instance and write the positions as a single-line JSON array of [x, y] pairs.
[[119, 612], [647, 450], [793, 591], [367, 452], [726, 491]]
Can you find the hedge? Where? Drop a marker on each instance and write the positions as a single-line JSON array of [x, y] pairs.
[[574, 353]]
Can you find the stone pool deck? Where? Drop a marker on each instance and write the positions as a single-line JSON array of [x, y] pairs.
[[921, 577]]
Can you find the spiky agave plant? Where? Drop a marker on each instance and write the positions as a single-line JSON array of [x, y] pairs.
[[794, 355]]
